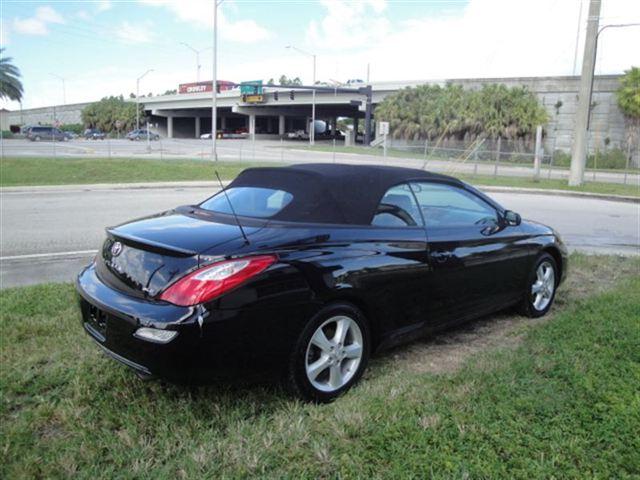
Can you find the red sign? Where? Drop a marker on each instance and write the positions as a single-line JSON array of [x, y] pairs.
[[200, 87]]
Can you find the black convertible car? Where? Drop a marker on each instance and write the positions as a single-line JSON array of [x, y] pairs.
[[307, 270]]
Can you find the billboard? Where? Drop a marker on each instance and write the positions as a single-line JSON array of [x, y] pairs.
[[201, 87]]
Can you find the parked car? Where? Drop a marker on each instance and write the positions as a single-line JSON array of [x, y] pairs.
[[298, 135], [35, 134], [70, 135], [94, 134], [141, 134], [307, 270]]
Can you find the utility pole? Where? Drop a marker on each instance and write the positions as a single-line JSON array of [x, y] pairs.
[[580, 136]]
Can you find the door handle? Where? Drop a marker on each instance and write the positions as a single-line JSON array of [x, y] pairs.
[[441, 257]]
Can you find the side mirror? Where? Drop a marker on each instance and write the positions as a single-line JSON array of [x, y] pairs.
[[512, 218]]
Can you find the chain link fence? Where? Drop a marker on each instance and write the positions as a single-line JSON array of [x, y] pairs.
[[480, 157]]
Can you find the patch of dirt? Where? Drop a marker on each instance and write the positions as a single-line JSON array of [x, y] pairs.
[[446, 352]]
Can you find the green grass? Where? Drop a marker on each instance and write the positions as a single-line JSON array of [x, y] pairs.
[[551, 184], [542, 399], [66, 171]]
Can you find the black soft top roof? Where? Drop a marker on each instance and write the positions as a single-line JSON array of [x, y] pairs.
[[332, 193]]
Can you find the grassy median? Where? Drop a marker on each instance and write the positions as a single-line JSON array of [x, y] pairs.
[[69, 171], [503, 397]]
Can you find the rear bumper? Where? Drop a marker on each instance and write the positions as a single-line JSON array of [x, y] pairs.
[[211, 343], [111, 318]]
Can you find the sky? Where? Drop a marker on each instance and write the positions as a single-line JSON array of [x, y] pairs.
[[101, 47]]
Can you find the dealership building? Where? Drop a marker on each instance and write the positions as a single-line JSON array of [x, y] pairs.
[[272, 112]]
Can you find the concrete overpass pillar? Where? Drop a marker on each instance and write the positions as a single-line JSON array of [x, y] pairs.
[[334, 126], [355, 128], [252, 126], [169, 127], [223, 123], [281, 128], [269, 124], [197, 127]]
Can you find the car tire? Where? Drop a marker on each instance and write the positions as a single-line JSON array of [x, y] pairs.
[[36, 138], [542, 284], [330, 354]]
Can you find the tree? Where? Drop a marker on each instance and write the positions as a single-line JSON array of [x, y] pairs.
[[628, 96], [628, 93], [284, 81], [170, 92], [106, 112], [10, 84], [432, 111]]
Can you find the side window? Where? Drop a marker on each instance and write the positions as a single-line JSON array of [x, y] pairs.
[[446, 205], [397, 208]]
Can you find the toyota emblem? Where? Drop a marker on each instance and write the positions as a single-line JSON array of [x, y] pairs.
[[116, 248]]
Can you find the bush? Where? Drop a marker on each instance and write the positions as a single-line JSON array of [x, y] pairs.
[[7, 134], [561, 158], [613, 159], [73, 127]]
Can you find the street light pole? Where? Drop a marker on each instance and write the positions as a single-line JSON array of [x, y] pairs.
[[64, 90], [312, 130], [138, 97], [214, 84], [197, 52]]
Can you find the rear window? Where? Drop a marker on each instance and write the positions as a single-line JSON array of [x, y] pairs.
[[249, 201]]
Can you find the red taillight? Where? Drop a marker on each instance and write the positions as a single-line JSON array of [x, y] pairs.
[[214, 280]]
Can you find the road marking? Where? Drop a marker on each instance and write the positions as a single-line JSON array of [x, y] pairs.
[[48, 255]]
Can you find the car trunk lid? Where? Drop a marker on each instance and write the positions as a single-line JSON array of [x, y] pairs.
[[143, 257]]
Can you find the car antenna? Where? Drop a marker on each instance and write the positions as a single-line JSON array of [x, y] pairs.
[[233, 211]]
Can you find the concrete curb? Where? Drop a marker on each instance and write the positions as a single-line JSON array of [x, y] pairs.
[[559, 193], [214, 185]]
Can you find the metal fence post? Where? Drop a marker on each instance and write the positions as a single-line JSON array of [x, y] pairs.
[[626, 169], [241, 151], [282, 150], [475, 162], [334, 150], [495, 168], [109, 147]]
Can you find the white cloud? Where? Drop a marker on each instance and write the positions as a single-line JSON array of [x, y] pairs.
[[103, 5], [488, 38], [37, 25], [349, 24], [138, 33], [200, 13]]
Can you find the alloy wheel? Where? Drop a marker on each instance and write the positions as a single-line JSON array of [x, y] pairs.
[[544, 285], [334, 353]]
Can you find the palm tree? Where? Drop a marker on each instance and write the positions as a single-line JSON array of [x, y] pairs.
[[10, 84]]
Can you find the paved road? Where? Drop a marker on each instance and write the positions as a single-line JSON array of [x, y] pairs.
[[48, 236], [272, 151]]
